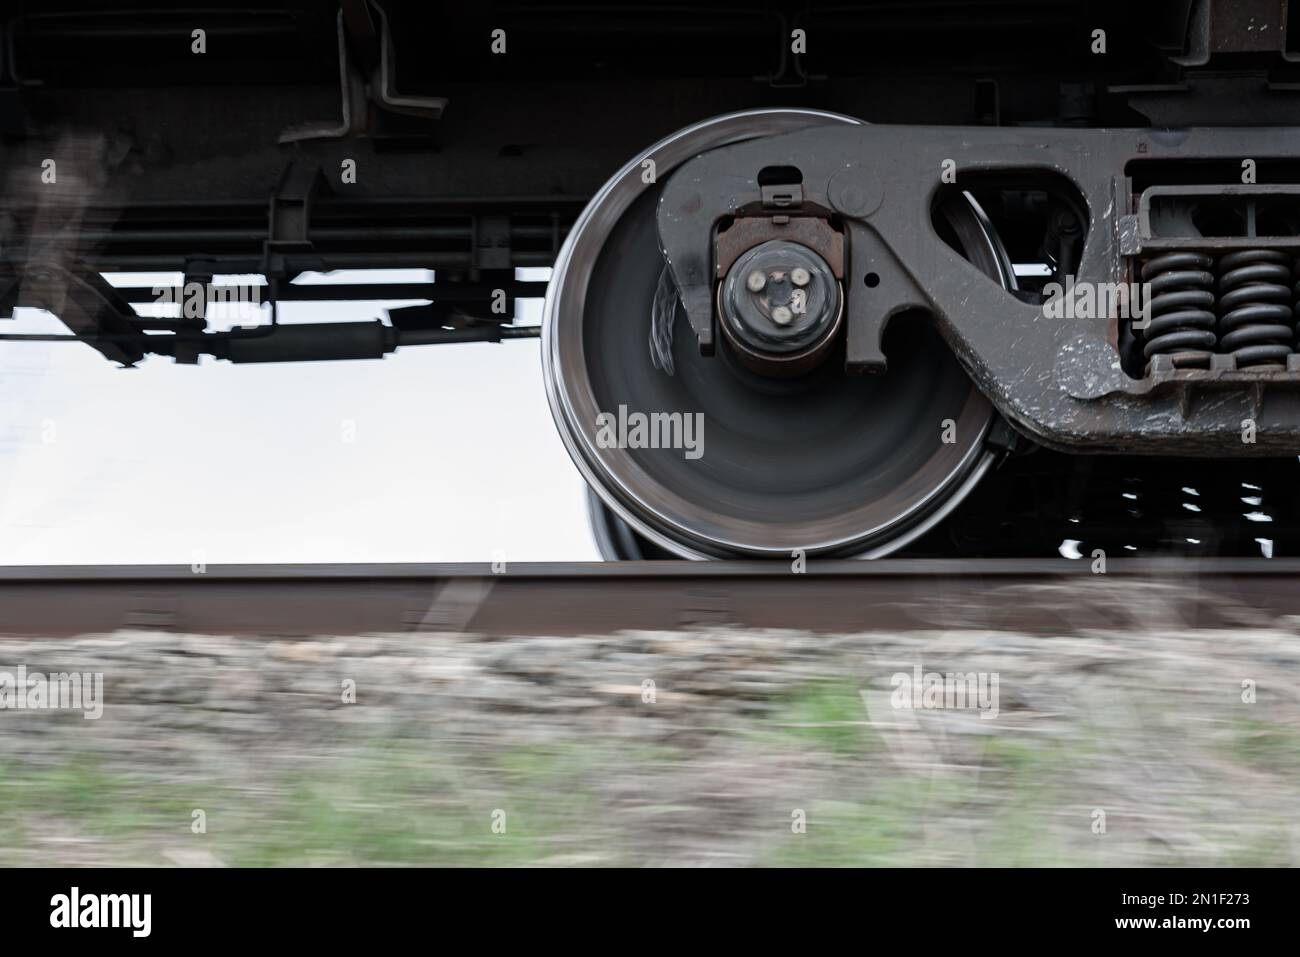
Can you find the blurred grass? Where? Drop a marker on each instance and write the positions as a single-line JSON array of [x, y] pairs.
[[391, 804], [389, 808], [1266, 747], [93, 799], [825, 715], [994, 796], [994, 815]]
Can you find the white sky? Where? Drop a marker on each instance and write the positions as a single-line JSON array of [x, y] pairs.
[[455, 456]]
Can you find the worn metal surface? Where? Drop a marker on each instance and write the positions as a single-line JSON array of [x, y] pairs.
[[1042, 597], [1059, 381]]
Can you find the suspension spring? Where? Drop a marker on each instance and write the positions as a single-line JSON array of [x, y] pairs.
[[1256, 309], [1182, 319], [1295, 273]]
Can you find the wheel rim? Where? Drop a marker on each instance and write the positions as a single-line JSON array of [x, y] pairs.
[[826, 463]]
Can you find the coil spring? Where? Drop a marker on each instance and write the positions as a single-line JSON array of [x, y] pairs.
[[1256, 318], [1182, 319], [1295, 273]]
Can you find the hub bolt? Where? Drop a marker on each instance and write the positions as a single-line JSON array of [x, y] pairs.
[[780, 306]]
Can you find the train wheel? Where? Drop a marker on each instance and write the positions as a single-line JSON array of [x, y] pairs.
[[820, 461]]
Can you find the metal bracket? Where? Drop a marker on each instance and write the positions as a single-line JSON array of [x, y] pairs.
[[1057, 380], [289, 223], [357, 96]]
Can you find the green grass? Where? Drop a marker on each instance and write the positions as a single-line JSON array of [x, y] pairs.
[[389, 804], [1022, 799], [389, 807], [909, 818], [825, 716], [100, 803], [402, 806], [1265, 747]]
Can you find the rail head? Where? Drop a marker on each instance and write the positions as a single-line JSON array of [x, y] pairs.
[[657, 570]]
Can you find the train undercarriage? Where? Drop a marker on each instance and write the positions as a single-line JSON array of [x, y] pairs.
[[955, 279]]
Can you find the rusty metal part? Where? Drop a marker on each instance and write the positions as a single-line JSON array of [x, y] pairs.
[[749, 231], [775, 326], [812, 232]]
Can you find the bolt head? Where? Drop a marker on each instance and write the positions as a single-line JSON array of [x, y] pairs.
[[756, 281], [800, 276], [782, 315]]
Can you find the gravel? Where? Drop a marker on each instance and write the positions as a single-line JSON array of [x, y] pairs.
[[717, 746]]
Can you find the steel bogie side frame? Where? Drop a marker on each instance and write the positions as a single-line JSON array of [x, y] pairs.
[[1058, 380]]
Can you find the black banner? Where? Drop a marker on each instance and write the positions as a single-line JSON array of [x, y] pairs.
[[326, 905]]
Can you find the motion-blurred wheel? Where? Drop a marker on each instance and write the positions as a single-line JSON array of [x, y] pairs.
[[791, 454]]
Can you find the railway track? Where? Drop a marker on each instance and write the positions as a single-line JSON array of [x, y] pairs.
[[1039, 596]]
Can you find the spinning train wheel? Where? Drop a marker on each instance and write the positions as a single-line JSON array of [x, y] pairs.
[[815, 459]]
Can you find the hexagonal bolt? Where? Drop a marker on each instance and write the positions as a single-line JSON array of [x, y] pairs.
[[756, 281], [800, 276], [781, 315]]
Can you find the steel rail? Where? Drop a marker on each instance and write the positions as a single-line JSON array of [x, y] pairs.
[[1037, 596]]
